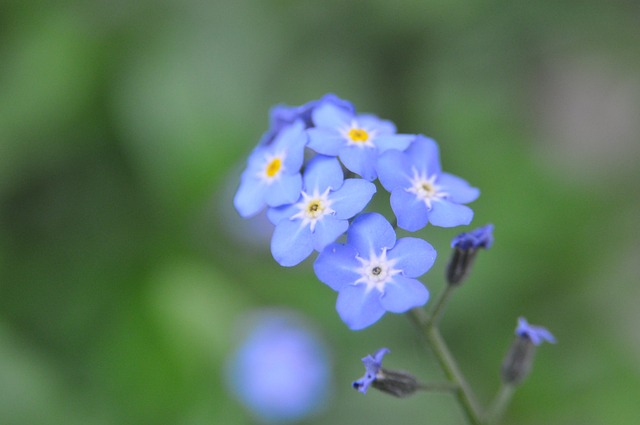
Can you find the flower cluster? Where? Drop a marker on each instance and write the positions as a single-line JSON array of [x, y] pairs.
[[316, 170]]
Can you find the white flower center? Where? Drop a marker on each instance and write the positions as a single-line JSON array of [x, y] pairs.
[[313, 208], [356, 135], [376, 271], [425, 188], [273, 167]]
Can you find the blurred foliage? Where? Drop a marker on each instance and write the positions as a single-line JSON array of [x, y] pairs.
[[123, 130]]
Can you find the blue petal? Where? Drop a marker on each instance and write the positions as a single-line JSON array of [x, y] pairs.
[[425, 155], [359, 308], [396, 142], [370, 233], [447, 214], [361, 160], [250, 197], [403, 294], [371, 122], [336, 266], [458, 189], [291, 139], [411, 212], [413, 256], [275, 215], [291, 243], [330, 116], [352, 197], [327, 231], [323, 172], [394, 170], [285, 190], [326, 141]]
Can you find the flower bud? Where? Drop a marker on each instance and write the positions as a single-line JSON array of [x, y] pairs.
[[394, 382], [519, 359], [465, 247]]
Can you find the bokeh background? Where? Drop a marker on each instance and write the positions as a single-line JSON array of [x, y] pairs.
[[124, 269]]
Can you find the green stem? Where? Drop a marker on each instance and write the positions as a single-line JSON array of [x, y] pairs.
[[500, 403], [440, 304], [448, 364]]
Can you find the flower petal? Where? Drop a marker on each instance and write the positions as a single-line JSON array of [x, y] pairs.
[[398, 142], [329, 115], [359, 308], [411, 212], [352, 197], [458, 189], [413, 256], [425, 155], [322, 172], [280, 213], [291, 243], [447, 214], [370, 233], [327, 231], [249, 199], [285, 190], [292, 139], [403, 294], [336, 266], [326, 141], [361, 160], [393, 169]]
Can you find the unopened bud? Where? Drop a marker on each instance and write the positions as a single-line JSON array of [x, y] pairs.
[[519, 359], [396, 382], [465, 247]]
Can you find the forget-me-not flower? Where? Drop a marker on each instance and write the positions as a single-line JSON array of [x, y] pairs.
[[373, 272], [420, 192], [465, 247], [272, 176], [357, 139], [372, 365], [321, 213], [281, 370]]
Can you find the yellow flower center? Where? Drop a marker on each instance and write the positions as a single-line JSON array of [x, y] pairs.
[[274, 167], [358, 135]]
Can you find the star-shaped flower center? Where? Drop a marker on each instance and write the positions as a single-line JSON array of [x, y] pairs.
[[376, 271], [358, 135], [273, 167], [425, 188], [313, 207]]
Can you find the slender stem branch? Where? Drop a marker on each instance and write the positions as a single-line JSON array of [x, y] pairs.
[[500, 403], [440, 304], [438, 386], [448, 364]]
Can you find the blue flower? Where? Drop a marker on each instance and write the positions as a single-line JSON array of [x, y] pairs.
[[420, 192], [356, 139], [373, 273], [321, 213], [272, 176], [281, 370], [482, 237], [536, 334], [282, 115], [372, 365]]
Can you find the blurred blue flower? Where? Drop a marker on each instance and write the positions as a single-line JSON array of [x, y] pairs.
[[373, 273], [282, 115], [321, 214], [272, 176], [536, 334], [420, 192], [372, 365], [482, 237], [356, 139], [281, 371]]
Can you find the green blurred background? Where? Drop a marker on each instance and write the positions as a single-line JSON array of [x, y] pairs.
[[123, 130]]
